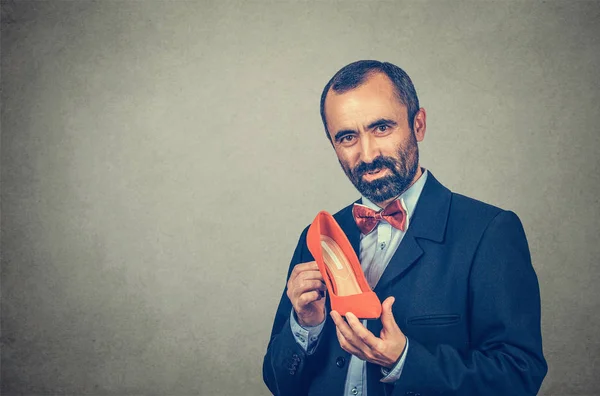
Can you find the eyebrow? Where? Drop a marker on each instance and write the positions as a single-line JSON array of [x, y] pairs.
[[380, 122], [374, 124]]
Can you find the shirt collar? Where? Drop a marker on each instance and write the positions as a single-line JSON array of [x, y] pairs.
[[410, 197]]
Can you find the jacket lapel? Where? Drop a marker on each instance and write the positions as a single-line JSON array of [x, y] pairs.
[[407, 253], [428, 222]]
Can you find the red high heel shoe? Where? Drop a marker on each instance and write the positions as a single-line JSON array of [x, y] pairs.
[[337, 262]]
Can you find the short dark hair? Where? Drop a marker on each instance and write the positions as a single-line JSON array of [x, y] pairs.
[[354, 74]]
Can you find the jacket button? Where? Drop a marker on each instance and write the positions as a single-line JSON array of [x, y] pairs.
[[340, 362]]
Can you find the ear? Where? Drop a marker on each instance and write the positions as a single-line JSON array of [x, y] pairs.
[[420, 124]]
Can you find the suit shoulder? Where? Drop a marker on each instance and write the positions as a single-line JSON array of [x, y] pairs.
[[471, 219], [473, 210]]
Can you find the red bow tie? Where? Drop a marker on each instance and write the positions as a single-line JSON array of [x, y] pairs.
[[367, 219]]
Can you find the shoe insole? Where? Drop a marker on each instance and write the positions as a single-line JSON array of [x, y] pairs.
[[344, 278]]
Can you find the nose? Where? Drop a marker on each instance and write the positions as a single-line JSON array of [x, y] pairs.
[[368, 149]]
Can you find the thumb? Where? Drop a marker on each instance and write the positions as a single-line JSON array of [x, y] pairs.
[[387, 317]]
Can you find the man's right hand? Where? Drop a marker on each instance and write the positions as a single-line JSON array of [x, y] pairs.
[[306, 290]]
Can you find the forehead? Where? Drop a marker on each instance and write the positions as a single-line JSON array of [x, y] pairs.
[[375, 99]]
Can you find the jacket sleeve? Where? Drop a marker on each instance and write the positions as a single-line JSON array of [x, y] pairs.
[[286, 366], [504, 355]]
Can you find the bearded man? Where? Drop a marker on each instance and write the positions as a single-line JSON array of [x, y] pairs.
[[461, 303]]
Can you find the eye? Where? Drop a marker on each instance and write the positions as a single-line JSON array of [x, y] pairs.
[[347, 139], [382, 128]]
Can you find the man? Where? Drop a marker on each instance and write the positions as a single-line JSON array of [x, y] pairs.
[[461, 303]]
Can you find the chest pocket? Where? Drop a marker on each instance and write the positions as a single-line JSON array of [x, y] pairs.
[[438, 329], [433, 320]]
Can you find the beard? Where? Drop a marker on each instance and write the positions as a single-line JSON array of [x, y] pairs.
[[403, 169]]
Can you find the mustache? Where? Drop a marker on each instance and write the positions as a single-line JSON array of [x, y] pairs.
[[377, 164]]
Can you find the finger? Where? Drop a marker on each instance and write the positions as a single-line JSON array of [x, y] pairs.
[[309, 275], [308, 266], [296, 293], [337, 318], [346, 330], [303, 267], [360, 331], [348, 347], [308, 298], [387, 317], [308, 285], [312, 276]]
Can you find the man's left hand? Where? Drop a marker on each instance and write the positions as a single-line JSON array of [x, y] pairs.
[[359, 341]]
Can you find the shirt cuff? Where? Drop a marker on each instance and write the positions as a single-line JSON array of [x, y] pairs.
[[306, 336], [393, 375]]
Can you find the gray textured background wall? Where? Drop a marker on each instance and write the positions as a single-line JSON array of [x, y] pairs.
[[159, 160]]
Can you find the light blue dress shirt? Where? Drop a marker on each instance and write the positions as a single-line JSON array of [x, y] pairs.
[[376, 251]]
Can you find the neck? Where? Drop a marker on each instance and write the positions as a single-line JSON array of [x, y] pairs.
[[385, 203]]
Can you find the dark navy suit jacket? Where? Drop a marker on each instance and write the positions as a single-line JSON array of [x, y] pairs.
[[467, 297]]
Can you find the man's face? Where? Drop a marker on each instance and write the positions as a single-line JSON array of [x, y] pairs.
[[371, 136]]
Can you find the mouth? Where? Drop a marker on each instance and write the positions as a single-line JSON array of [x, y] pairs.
[[374, 174]]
